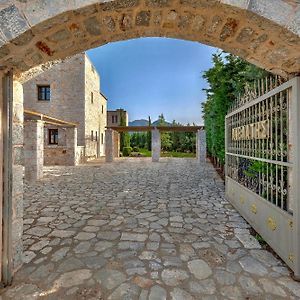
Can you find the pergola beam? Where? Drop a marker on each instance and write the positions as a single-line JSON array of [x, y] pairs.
[[160, 128], [49, 120]]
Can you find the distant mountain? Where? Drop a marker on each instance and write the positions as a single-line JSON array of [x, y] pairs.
[[141, 122], [144, 122], [155, 123]]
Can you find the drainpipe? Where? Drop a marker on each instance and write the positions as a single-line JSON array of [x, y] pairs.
[[7, 115]]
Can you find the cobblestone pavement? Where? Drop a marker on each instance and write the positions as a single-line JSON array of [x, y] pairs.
[[140, 230]]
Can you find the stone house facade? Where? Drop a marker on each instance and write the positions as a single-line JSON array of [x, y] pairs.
[[70, 91], [114, 117]]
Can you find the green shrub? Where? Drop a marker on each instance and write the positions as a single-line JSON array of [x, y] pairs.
[[136, 149], [127, 151]]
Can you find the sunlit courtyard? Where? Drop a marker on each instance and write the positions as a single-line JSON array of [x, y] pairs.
[[141, 230]]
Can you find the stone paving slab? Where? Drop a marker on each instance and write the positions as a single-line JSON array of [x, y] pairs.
[[135, 229]]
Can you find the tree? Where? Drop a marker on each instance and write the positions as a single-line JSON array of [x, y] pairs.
[[124, 136], [226, 79], [166, 142]]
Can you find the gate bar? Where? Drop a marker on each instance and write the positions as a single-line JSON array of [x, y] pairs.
[[7, 116], [295, 190]]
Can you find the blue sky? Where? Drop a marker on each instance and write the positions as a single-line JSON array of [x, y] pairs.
[[150, 76]]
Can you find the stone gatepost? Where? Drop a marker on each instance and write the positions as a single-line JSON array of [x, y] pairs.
[[201, 145], [112, 145], [17, 175], [71, 144], [33, 149], [155, 145]]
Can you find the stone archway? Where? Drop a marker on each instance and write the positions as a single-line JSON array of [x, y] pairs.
[[35, 32]]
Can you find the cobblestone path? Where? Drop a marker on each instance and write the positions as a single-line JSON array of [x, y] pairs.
[[140, 230]]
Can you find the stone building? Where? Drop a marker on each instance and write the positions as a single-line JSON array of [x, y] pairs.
[[114, 117], [69, 91]]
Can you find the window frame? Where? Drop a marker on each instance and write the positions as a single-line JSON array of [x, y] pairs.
[[45, 94], [50, 130]]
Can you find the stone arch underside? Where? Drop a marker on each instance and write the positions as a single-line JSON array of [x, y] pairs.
[[34, 32]]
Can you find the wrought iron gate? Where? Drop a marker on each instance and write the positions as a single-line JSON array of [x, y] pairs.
[[263, 163]]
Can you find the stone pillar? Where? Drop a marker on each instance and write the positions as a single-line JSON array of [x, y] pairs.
[[155, 145], [116, 143], [198, 145], [71, 144], [201, 145], [109, 151], [17, 175], [34, 149], [112, 145]]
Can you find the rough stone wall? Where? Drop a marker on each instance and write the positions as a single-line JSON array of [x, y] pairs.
[[119, 113], [92, 110], [66, 82], [71, 82], [103, 124], [65, 152], [56, 156], [60, 156], [261, 31], [111, 114], [18, 175], [61, 136]]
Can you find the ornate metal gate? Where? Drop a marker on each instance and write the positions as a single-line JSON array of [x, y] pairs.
[[263, 163]]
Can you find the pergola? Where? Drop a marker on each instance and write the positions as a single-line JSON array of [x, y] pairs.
[[34, 150], [34, 116], [112, 139], [170, 128]]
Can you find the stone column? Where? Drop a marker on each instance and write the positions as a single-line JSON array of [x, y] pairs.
[[116, 143], [201, 145], [112, 145], [109, 152], [198, 145], [155, 145], [71, 144], [34, 149], [17, 175]]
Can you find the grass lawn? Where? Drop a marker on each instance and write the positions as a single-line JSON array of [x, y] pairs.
[[147, 153]]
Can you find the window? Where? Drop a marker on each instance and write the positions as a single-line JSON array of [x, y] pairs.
[[96, 136], [92, 97], [53, 136], [92, 135], [114, 119], [44, 93], [102, 109], [102, 138]]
